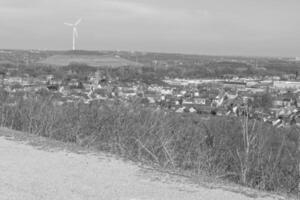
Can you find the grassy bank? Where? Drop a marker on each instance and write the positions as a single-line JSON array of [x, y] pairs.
[[243, 151]]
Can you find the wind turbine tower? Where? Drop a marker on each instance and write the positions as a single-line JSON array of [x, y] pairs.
[[75, 32]]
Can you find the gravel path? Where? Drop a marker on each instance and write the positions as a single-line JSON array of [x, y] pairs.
[[29, 173]]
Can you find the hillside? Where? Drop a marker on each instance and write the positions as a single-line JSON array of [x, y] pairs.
[[58, 171], [90, 60], [163, 64]]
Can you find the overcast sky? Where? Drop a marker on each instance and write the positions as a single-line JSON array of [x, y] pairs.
[[226, 27]]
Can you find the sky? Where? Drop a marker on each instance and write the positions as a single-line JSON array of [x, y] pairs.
[[215, 27]]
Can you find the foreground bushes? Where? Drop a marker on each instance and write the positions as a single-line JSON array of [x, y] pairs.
[[247, 152]]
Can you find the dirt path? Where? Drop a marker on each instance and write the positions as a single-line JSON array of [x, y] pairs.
[[29, 173]]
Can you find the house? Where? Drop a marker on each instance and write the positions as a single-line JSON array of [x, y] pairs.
[[252, 84], [187, 102], [50, 77], [247, 99], [166, 91], [285, 112], [192, 110], [75, 84], [151, 100], [287, 84], [277, 103], [234, 84], [180, 110], [201, 101], [286, 100]]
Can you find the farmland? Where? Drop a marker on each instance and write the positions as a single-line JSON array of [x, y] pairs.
[[89, 60]]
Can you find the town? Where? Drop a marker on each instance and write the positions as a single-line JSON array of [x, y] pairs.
[[273, 99]]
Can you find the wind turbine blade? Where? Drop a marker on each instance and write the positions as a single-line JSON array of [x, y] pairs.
[[68, 24], [78, 22]]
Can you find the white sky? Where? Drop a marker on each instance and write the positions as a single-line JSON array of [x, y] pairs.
[[227, 27]]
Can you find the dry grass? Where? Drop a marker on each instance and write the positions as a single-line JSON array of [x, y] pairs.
[[239, 150]]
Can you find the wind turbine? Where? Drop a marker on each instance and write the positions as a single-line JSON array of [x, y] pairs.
[[75, 32]]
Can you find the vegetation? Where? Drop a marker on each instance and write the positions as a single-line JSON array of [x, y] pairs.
[[263, 101], [159, 64], [238, 149]]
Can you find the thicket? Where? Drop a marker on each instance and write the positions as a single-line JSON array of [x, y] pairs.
[[238, 149]]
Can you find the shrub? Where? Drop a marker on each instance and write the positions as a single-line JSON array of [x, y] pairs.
[[242, 150]]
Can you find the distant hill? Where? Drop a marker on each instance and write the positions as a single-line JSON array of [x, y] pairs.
[[90, 60], [162, 64]]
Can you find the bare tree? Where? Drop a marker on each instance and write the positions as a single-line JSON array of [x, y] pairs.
[[244, 153]]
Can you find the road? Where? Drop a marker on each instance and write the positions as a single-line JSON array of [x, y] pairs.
[[31, 173]]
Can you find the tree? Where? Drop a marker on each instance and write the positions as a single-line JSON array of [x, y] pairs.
[[263, 101]]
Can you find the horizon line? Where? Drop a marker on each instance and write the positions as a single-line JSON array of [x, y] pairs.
[[153, 52]]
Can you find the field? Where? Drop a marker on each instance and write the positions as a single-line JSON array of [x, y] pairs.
[[90, 60], [171, 65]]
